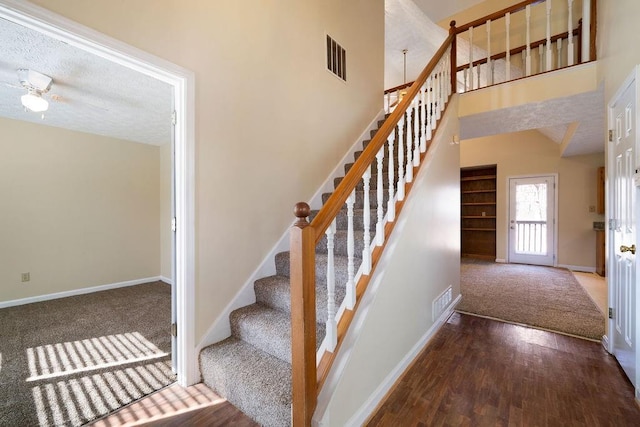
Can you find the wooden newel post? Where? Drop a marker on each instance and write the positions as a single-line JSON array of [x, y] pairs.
[[454, 57], [303, 318]]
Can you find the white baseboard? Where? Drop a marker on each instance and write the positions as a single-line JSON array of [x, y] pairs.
[[360, 417], [578, 268], [501, 261], [221, 328], [74, 292], [605, 343], [166, 280]]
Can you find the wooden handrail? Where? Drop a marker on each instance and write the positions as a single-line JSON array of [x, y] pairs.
[[399, 87], [335, 202], [497, 15]]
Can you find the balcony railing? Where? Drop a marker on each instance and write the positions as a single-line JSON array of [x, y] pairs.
[[531, 237]]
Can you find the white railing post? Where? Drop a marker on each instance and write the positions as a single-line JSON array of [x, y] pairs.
[[489, 72], [541, 60], [380, 197], [549, 55], [429, 107], [570, 54], [366, 220], [401, 159], [559, 48], [408, 174], [416, 131], [391, 204], [507, 23], [586, 30], [423, 114], [350, 297], [332, 328], [471, 57], [528, 35]]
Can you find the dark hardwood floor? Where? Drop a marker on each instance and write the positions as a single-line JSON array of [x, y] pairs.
[[480, 372], [475, 372]]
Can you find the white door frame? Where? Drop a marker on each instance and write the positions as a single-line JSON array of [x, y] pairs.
[[632, 79], [183, 83], [552, 245]]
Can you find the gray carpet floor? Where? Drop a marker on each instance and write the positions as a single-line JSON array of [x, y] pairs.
[[543, 297], [68, 361]]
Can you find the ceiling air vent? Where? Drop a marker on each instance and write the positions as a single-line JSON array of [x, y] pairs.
[[336, 59]]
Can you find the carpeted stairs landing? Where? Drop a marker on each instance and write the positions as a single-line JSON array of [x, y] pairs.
[[252, 368]]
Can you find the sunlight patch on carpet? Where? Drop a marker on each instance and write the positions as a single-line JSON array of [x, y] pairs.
[[51, 361]]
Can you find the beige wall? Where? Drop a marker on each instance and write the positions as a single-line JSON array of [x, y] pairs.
[[271, 122], [423, 261], [530, 152], [617, 41], [166, 234], [78, 210]]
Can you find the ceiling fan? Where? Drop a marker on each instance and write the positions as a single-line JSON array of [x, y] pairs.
[[36, 84]]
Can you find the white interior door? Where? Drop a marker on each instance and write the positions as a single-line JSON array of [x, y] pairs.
[[622, 260], [531, 220]]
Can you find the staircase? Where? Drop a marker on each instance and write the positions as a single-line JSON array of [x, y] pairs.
[[252, 368]]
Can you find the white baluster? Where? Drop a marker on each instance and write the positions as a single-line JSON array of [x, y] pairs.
[[559, 64], [549, 55], [350, 297], [541, 60], [416, 131], [332, 328], [570, 61], [439, 93], [471, 57], [408, 174], [507, 23], [478, 76], [489, 72], [379, 197], [446, 83], [447, 64], [528, 50], [401, 159], [423, 112], [586, 30], [391, 204], [387, 103], [429, 106], [366, 220]]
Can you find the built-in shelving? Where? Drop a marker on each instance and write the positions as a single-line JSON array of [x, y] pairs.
[[478, 211]]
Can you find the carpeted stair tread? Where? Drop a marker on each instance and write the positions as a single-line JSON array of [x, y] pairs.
[[340, 265], [340, 243], [358, 220], [359, 203], [256, 382], [267, 329], [275, 292]]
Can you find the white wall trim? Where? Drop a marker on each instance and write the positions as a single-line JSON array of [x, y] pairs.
[[501, 260], [166, 280], [581, 268], [183, 82], [74, 292], [605, 343], [360, 417], [221, 328]]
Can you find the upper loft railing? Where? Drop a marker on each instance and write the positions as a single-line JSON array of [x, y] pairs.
[[399, 148], [528, 38]]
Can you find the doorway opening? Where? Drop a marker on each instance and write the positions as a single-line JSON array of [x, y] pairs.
[[182, 83]]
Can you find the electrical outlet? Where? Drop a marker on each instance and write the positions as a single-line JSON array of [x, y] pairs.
[[592, 208], [26, 277]]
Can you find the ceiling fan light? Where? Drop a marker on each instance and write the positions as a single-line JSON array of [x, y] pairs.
[[34, 102]]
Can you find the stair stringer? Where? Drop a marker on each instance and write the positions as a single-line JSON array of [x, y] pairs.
[[221, 327], [325, 413]]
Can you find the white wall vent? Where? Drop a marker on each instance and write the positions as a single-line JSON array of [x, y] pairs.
[[441, 303], [336, 59]]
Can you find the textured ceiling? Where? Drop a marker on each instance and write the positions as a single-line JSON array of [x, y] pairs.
[[89, 94], [409, 24], [551, 117]]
